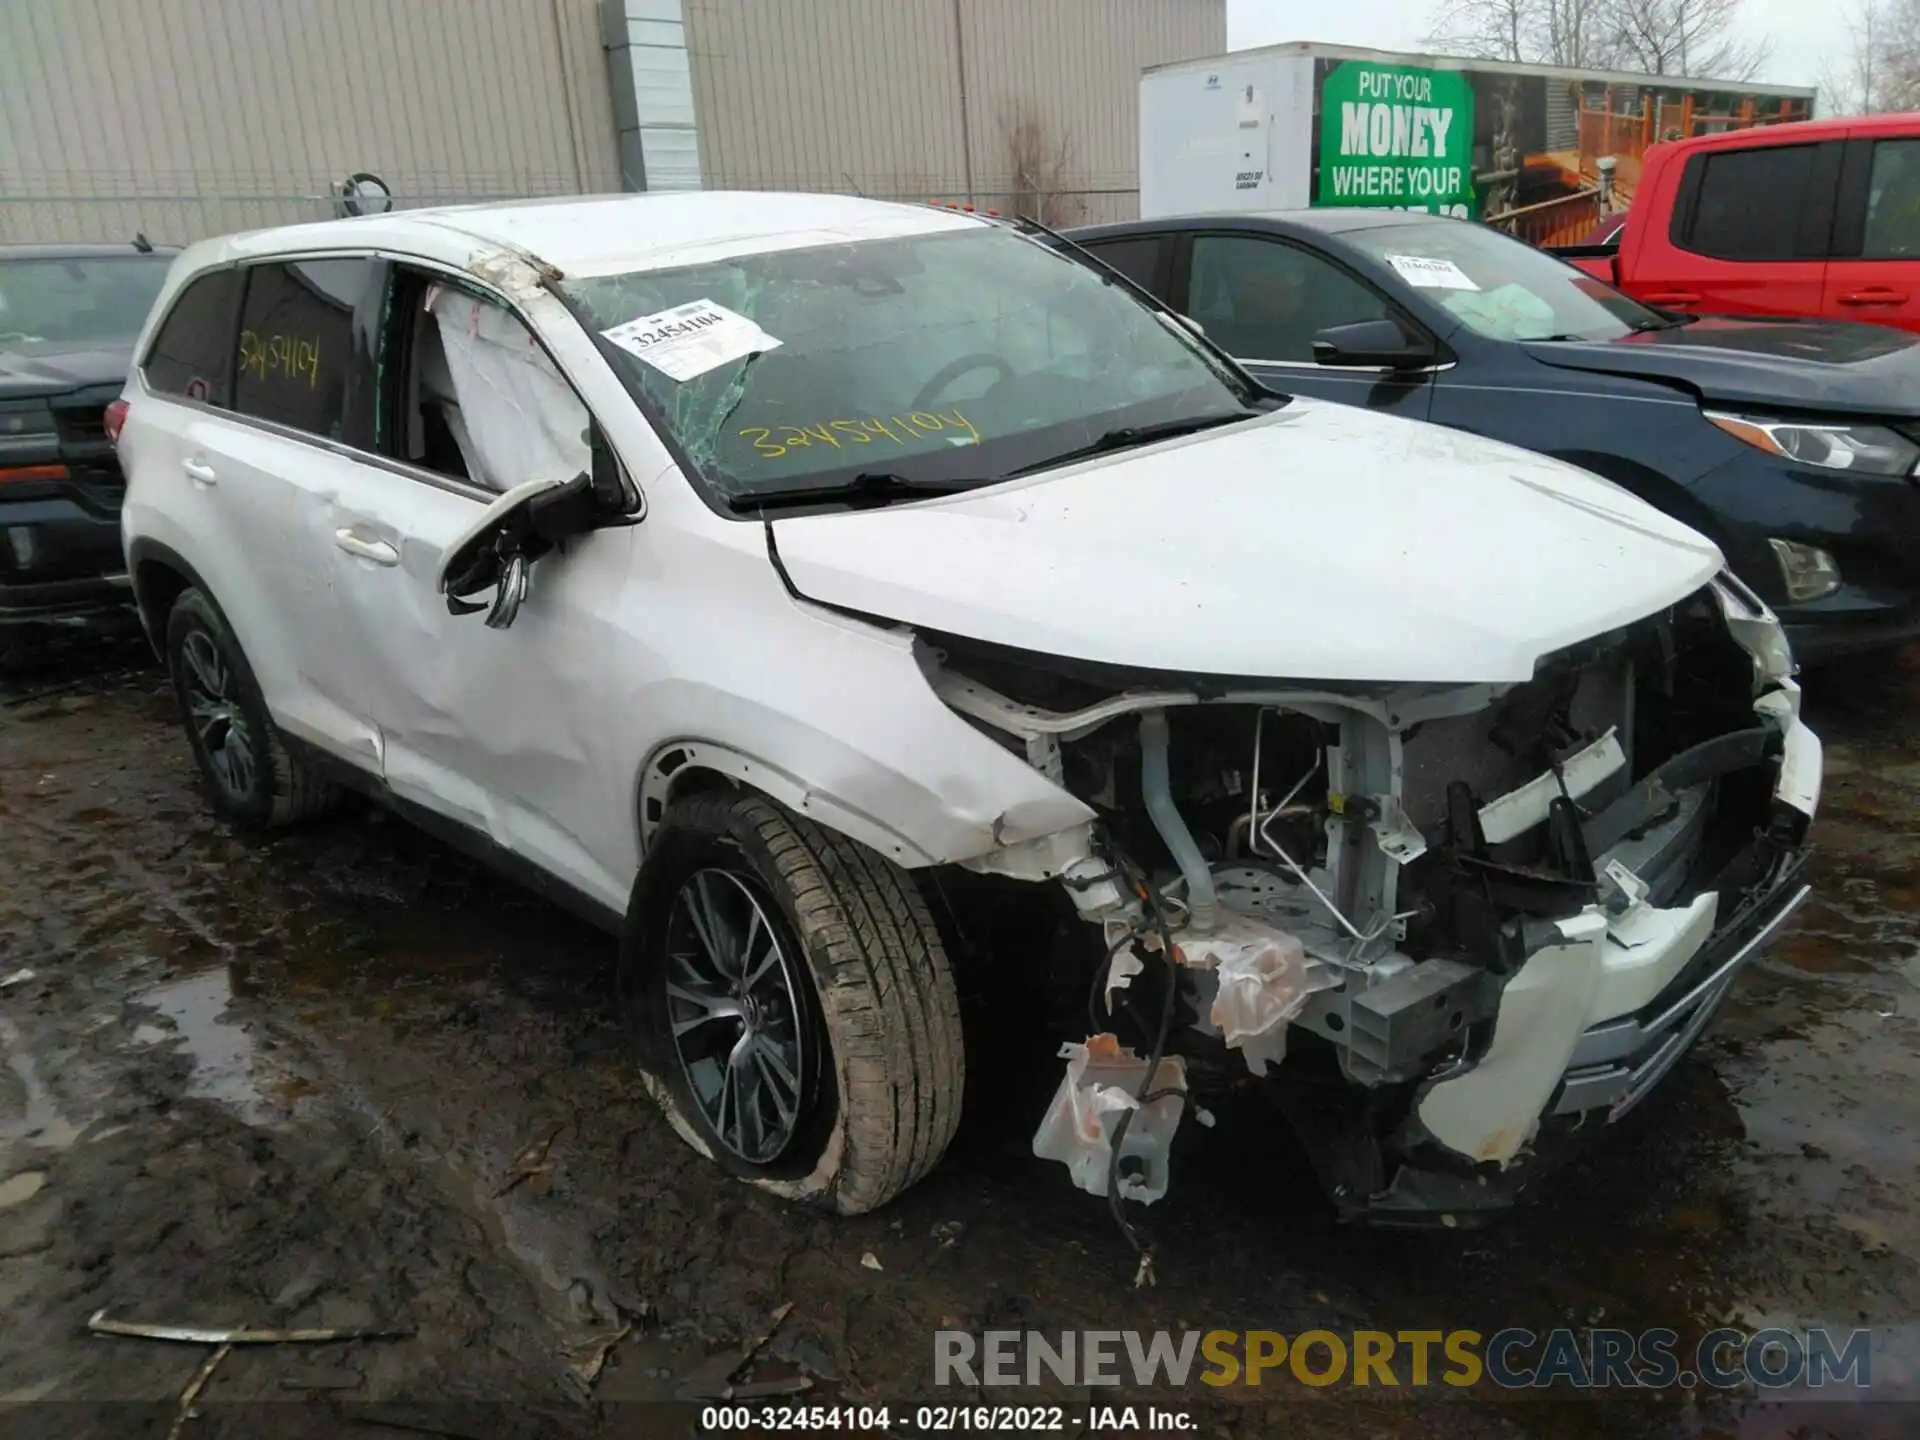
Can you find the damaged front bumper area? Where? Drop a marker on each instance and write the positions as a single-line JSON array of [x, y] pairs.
[[1451, 929]]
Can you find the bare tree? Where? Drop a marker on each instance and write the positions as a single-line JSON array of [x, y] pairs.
[[1579, 33], [1550, 32], [1897, 72], [1853, 86], [1697, 38], [1660, 37], [1485, 29], [1038, 159], [1880, 69]]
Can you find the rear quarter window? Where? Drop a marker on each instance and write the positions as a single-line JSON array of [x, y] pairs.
[[1141, 258], [192, 353], [295, 349]]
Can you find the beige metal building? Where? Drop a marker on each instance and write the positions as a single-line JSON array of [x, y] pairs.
[[183, 118]]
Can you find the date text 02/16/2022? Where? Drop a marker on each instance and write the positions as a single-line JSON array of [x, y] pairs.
[[944, 1419]]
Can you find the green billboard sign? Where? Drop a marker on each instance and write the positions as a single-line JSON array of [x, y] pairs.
[[1396, 137]]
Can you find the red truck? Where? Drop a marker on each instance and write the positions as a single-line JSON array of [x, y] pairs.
[[1817, 218]]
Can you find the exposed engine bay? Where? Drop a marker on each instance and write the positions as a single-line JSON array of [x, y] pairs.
[[1447, 924]]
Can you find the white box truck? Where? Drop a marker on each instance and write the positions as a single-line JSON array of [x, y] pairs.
[[1301, 124]]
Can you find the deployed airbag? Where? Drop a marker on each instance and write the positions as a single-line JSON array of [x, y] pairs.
[[518, 418]]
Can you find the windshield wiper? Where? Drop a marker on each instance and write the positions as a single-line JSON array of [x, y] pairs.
[[869, 487], [1126, 437]]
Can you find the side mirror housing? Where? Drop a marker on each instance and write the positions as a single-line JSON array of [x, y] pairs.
[[1376, 344], [611, 492], [496, 551]]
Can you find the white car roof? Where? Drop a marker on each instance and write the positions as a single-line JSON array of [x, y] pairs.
[[605, 234]]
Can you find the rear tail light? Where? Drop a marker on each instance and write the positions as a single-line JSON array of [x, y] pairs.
[[11, 473], [116, 418]]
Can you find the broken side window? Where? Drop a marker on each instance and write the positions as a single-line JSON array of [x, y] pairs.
[[480, 400]]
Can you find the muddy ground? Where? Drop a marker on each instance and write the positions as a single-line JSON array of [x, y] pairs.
[[288, 1083]]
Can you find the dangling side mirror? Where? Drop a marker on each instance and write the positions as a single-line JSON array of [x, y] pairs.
[[497, 551]]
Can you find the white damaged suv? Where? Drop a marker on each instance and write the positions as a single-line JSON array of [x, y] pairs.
[[748, 567]]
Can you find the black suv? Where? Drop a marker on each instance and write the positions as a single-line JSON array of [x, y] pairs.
[[69, 315]]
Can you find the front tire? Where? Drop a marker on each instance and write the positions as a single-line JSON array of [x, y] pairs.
[[792, 1003], [250, 776]]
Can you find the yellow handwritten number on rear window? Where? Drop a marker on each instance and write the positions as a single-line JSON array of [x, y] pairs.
[[291, 357]]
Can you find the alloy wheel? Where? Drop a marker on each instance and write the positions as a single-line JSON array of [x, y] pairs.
[[733, 1006], [213, 709]]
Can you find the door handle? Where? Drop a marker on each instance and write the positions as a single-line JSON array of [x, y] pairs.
[[1873, 297], [1678, 299], [199, 472], [378, 551]]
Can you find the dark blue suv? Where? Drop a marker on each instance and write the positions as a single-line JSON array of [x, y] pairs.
[[1793, 444]]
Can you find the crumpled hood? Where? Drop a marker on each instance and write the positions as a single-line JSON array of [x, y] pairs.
[[30, 368], [1320, 543], [1766, 364]]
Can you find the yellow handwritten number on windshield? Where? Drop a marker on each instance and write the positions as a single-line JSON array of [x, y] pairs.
[[898, 428]]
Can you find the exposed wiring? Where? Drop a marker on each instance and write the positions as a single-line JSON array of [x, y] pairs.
[[1315, 890], [1253, 798], [1095, 991], [1143, 1275], [1241, 828], [1089, 881], [1381, 926], [1182, 910], [1259, 831], [1102, 970]]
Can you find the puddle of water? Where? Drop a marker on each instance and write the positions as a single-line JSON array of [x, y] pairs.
[[1816, 952], [224, 1062], [38, 1118]]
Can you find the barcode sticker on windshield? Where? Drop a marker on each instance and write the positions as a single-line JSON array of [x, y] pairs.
[[690, 339], [1427, 273]]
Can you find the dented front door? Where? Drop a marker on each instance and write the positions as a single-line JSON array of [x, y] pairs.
[[483, 726]]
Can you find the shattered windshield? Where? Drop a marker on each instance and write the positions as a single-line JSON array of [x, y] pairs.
[[952, 355], [78, 301], [1502, 288]]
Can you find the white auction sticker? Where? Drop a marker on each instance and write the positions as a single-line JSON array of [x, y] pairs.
[[690, 339], [1428, 273]]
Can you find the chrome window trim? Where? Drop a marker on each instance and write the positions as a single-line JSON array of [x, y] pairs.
[[1347, 369], [337, 448], [466, 280], [1579, 394]]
